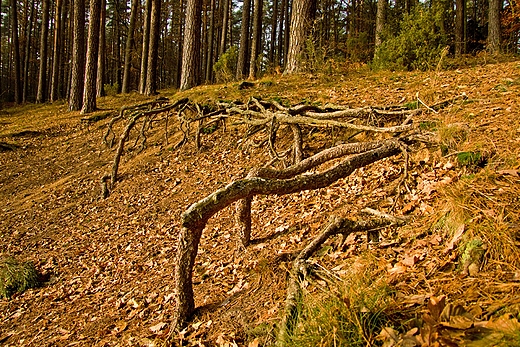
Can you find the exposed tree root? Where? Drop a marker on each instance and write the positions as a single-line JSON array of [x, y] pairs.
[[299, 269], [194, 219]]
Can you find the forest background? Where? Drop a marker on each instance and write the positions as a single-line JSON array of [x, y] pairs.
[[65, 49]]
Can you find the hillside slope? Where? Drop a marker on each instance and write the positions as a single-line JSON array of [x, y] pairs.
[[108, 263]]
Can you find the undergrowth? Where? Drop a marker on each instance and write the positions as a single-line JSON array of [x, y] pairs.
[[351, 312]]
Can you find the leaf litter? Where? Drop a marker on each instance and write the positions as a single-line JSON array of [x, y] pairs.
[[109, 263]]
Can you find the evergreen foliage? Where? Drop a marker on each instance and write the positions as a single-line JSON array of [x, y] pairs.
[[226, 65], [418, 44], [16, 276]]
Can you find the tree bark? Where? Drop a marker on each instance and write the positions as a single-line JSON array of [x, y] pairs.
[[100, 80], [300, 25], [16, 53], [380, 21], [153, 51], [274, 25], [128, 48], [58, 44], [460, 24], [78, 57], [146, 45], [41, 94], [28, 52], [225, 19], [190, 75], [256, 43], [493, 44], [89, 95], [211, 35], [243, 57]]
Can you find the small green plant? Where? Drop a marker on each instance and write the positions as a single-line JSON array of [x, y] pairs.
[[226, 65], [209, 130], [428, 125], [353, 316], [412, 105], [16, 276], [470, 159], [111, 89]]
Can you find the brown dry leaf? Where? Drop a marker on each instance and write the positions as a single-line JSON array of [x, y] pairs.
[[514, 173], [410, 260], [458, 322], [455, 239], [436, 306], [157, 327], [389, 336], [254, 343]]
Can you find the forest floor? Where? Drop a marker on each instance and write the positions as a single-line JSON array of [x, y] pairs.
[[109, 263]]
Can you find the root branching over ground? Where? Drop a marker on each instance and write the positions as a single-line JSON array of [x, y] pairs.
[[393, 132], [257, 115]]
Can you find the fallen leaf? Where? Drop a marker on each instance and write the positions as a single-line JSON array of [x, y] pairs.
[[514, 173], [157, 327], [455, 239]]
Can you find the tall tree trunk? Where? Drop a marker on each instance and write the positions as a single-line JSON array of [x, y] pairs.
[[58, 47], [16, 53], [41, 95], [460, 23], [225, 19], [100, 80], [300, 24], [493, 44], [78, 57], [380, 21], [256, 43], [89, 95], [146, 45], [191, 47], [244, 41], [28, 51], [155, 26], [211, 36], [274, 24], [281, 33], [128, 48]]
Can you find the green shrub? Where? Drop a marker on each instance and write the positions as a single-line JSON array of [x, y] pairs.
[[226, 65], [417, 46]]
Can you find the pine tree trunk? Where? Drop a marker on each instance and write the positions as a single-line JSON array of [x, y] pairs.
[[28, 51], [460, 19], [56, 58], [256, 43], [78, 57], [211, 35], [146, 45], [153, 51], [128, 48], [274, 24], [100, 80], [280, 52], [89, 95], [243, 58], [41, 95], [191, 47], [380, 21], [493, 44], [16, 52], [225, 19], [300, 25]]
